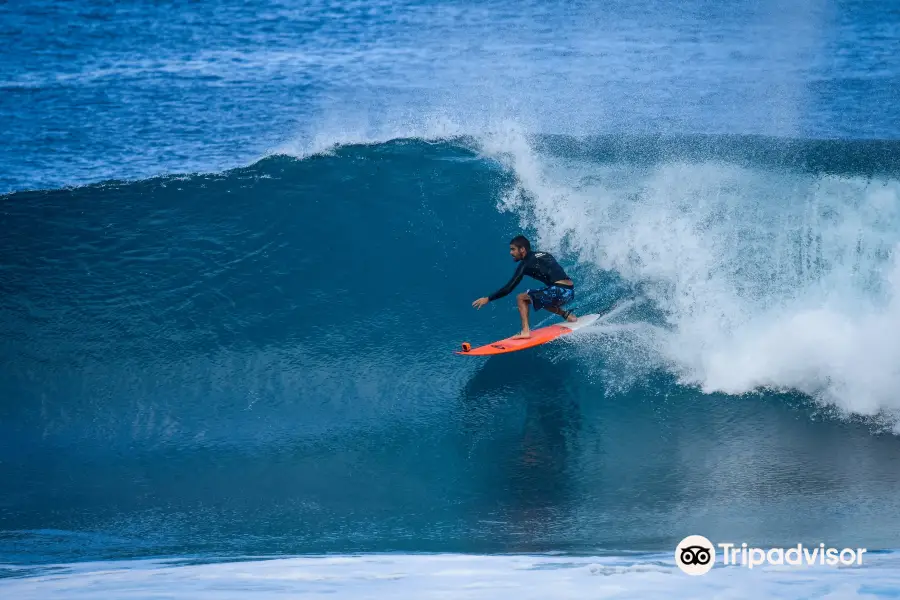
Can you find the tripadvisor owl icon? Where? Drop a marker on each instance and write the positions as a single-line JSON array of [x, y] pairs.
[[695, 555]]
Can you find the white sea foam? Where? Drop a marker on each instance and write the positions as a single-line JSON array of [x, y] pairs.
[[469, 577], [768, 278]]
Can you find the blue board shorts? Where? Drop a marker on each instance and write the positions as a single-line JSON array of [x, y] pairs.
[[552, 295]]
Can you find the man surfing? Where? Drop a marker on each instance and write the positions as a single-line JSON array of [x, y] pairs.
[[542, 266]]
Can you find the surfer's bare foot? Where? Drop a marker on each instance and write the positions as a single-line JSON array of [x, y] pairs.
[[571, 318], [522, 335]]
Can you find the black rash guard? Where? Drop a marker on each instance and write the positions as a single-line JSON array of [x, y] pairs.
[[538, 265]]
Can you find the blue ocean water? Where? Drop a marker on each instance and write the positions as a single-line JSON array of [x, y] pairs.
[[240, 246]]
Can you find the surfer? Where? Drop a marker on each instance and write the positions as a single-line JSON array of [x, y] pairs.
[[542, 266]]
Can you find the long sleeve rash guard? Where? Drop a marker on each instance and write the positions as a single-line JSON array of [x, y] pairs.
[[537, 265]]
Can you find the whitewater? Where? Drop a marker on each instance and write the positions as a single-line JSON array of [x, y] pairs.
[[768, 277]]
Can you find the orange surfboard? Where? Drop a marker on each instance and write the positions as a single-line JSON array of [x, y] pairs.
[[538, 337]]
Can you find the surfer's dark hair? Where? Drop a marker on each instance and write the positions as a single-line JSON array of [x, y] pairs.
[[520, 241]]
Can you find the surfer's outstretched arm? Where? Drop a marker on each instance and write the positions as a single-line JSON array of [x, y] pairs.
[[510, 285], [506, 289]]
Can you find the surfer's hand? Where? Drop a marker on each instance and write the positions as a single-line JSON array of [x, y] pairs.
[[480, 302]]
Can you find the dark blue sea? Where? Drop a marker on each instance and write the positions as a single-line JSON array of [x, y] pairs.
[[239, 246]]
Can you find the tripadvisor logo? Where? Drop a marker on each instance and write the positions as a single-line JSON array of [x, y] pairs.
[[696, 555]]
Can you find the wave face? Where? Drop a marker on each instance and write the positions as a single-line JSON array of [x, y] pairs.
[[260, 361]]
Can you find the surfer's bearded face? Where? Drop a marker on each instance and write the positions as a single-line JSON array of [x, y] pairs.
[[516, 252]]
